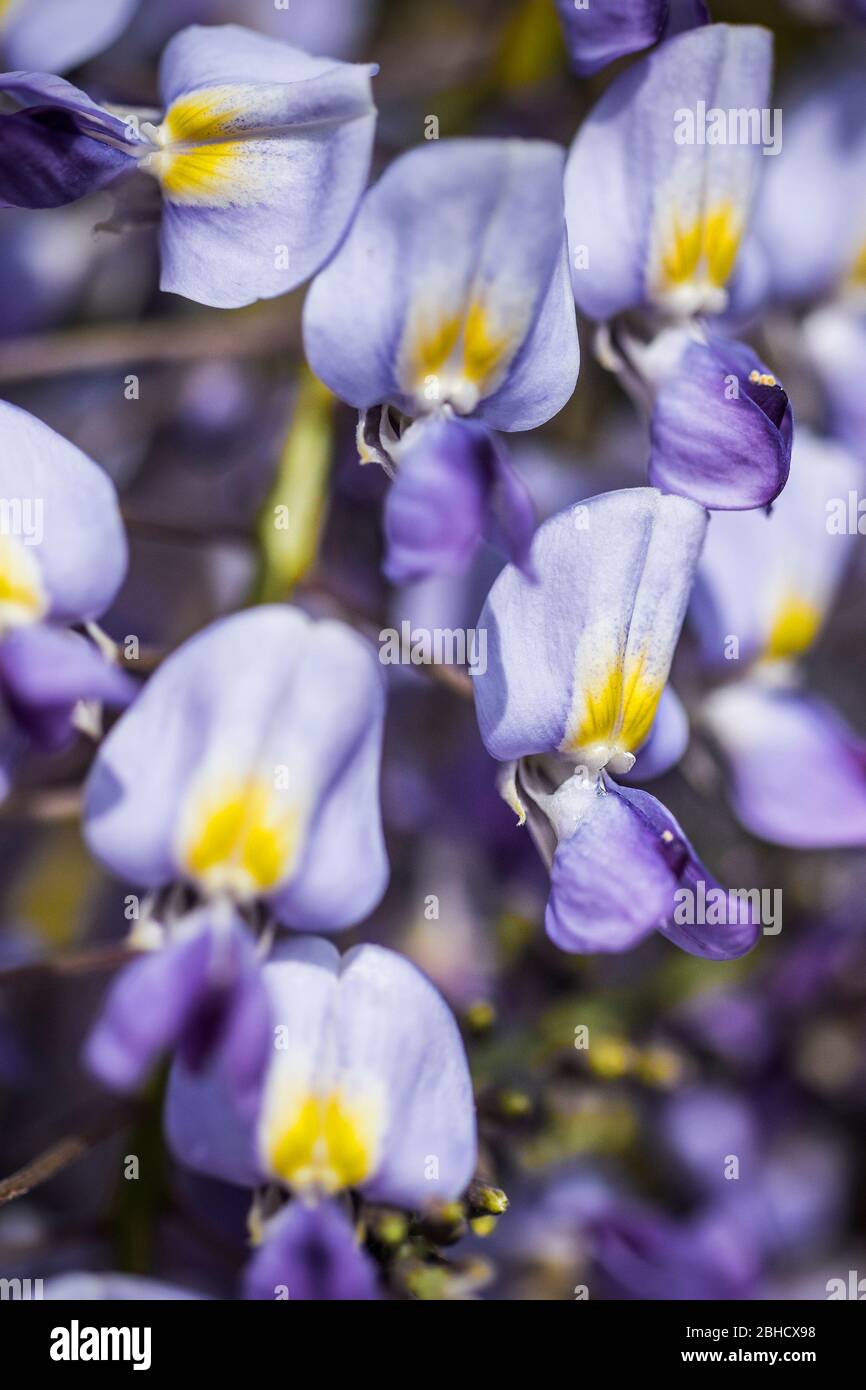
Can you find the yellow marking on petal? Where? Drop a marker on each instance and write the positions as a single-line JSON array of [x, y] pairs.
[[618, 714], [433, 346], [202, 148], [241, 840], [858, 270], [483, 350], [794, 628], [682, 253], [5, 6], [704, 249], [721, 242], [22, 595], [461, 353], [328, 1143]]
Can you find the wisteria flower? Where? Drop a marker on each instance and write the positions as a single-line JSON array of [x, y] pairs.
[[59, 34], [63, 559], [658, 205], [261, 155], [721, 424], [577, 665], [657, 209], [446, 313], [248, 768], [798, 773], [367, 1088], [248, 771]]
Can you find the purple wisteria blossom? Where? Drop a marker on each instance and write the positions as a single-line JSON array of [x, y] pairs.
[[578, 663], [798, 773], [261, 153], [62, 560], [248, 769], [659, 188], [366, 1088], [447, 313]]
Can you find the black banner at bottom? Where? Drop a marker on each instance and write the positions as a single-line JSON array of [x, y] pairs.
[[83, 1338]]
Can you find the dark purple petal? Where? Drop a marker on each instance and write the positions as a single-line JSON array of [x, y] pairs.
[[604, 30], [721, 430], [309, 1253], [47, 162], [453, 489], [45, 671], [597, 905], [202, 995]]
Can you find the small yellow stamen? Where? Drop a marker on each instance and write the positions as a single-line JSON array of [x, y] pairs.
[[762, 378]]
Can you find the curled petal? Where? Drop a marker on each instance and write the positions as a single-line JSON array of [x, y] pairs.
[[199, 995], [721, 428], [452, 489], [595, 906], [45, 671]]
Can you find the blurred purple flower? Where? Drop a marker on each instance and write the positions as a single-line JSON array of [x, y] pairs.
[[62, 560], [249, 767], [798, 774], [54, 35]]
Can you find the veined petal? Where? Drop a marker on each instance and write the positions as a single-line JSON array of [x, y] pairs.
[[453, 488], [765, 583], [63, 549], [577, 660], [655, 210], [721, 427], [798, 773], [249, 766], [59, 34], [262, 147], [438, 295]]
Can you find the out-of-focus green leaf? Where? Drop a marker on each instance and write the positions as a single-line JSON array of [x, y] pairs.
[[291, 521]]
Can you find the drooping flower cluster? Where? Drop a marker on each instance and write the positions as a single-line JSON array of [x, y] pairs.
[[239, 793]]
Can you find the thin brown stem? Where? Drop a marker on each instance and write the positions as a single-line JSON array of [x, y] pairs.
[[65, 1152], [117, 347]]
